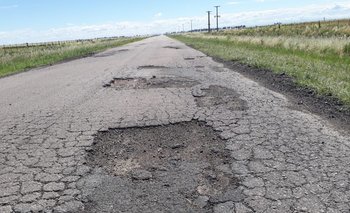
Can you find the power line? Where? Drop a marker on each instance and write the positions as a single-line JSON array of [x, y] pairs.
[[209, 21], [217, 18]]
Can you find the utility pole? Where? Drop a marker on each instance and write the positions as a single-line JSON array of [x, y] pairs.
[[183, 28], [191, 26], [209, 21], [217, 18]]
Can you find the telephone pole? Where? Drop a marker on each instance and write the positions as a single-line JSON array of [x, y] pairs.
[[217, 18], [209, 21], [191, 26]]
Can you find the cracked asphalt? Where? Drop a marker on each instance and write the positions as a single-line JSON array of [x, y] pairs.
[[286, 160]]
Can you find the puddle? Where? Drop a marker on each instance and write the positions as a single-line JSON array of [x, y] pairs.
[[154, 82], [221, 96], [175, 168]]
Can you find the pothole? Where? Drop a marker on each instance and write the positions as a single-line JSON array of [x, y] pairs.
[[221, 96], [200, 67], [189, 59], [123, 50], [110, 53], [106, 54], [175, 168], [172, 47], [152, 67], [154, 82]]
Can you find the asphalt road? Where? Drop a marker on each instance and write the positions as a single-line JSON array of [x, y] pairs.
[[284, 160]]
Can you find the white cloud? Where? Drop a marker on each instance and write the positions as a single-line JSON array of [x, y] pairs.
[[8, 7], [158, 15], [250, 18]]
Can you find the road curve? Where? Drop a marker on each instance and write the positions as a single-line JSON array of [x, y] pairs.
[[285, 160]]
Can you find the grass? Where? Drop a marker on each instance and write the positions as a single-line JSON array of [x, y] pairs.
[[18, 59], [335, 28], [321, 63], [319, 45]]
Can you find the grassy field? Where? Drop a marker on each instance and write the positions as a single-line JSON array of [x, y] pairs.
[[337, 28], [315, 59], [19, 58]]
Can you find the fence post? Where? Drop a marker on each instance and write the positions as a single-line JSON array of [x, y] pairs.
[[319, 24]]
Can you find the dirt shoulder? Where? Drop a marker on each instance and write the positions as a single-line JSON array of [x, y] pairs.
[[303, 98]]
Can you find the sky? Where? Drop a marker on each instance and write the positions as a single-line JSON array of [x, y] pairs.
[[23, 21]]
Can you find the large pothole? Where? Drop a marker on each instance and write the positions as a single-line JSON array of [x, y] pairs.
[[154, 82], [221, 96], [175, 168]]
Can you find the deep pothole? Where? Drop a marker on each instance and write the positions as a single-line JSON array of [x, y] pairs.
[[154, 82], [175, 168], [221, 96]]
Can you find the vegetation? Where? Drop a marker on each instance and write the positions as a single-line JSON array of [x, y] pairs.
[[337, 28], [15, 59], [316, 60]]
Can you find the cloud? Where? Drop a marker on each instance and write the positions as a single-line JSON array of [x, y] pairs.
[[248, 18], [8, 7], [158, 15]]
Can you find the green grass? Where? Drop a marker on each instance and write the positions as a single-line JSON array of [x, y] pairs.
[[18, 59], [327, 73], [336, 28]]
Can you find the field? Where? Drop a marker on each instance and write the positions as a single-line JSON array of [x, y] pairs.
[[316, 55], [14, 59]]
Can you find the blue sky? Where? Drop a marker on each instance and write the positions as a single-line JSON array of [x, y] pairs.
[[47, 20]]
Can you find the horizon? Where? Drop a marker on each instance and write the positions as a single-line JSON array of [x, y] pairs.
[[39, 21]]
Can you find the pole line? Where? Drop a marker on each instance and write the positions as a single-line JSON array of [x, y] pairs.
[[209, 21], [217, 18]]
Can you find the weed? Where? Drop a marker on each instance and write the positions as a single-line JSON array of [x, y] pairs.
[[346, 49]]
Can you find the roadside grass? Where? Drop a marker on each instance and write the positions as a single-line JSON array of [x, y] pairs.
[[328, 74], [340, 47], [333, 28], [18, 59]]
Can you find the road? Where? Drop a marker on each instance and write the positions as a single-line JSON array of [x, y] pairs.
[[59, 128]]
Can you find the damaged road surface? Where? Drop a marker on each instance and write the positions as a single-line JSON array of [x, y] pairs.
[[156, 126], [179, 168]]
